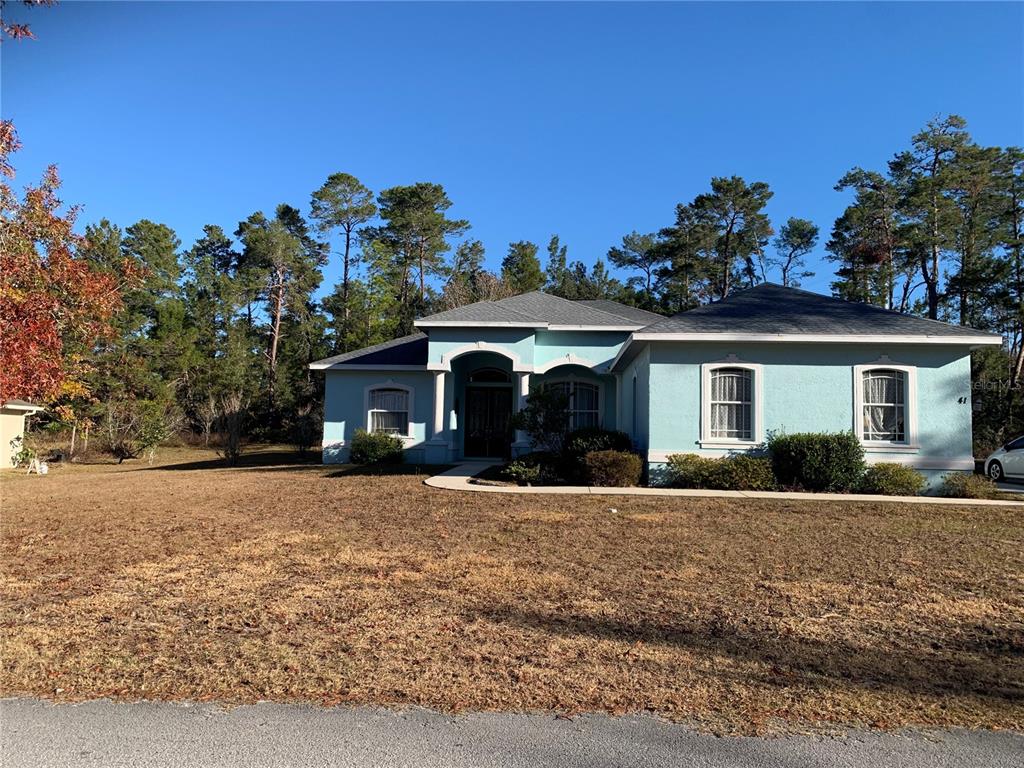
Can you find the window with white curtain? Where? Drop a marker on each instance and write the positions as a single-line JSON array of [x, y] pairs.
[[884, 405], [732, 404], [389, 411], [584, 403]]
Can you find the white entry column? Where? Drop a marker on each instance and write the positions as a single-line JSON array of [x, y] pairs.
[[522, 390], [438, 432]]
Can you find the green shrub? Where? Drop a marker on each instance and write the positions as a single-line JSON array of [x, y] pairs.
[[522, 472], [375, 448], [587, 440], [959, 485], [688, 470], [583, 441], [742, 472], [739, 472], [545, 418], [536, 468], [823, 461], [613, 469], [891, 479]]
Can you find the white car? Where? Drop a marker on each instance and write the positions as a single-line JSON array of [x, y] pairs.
[[1007, 462]]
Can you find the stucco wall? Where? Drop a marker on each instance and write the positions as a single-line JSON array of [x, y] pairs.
[[810, 388], [444, 343], [12, 424], [595, 347], [636, 400], [345, 409]]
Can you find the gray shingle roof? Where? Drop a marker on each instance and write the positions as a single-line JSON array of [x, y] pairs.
[[622, 310], [537, 309], [773, 309], [407, 350]]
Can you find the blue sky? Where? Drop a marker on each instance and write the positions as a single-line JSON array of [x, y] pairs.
[[589, 120]]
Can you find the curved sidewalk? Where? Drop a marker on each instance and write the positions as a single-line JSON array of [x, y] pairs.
[[459, 479]]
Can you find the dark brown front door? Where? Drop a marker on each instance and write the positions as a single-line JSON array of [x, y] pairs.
[[488, 410]]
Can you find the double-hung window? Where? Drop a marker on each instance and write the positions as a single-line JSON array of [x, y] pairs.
[[731, 407], [389, 410], [884, 405], [732, 404]]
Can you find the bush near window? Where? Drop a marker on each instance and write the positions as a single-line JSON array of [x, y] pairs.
[[613, 469], [891, 479], [739, 472], [832, 462], [958, 485], [584, 441], [545, 418], [587, 440], [537, 468], [375, 448]]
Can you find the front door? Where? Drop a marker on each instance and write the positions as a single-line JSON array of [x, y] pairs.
[[488, 433]]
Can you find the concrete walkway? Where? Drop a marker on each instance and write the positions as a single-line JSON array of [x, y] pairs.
[[101, 734], [459, 479]]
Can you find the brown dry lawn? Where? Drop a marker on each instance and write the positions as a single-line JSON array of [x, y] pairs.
[[299, 582]]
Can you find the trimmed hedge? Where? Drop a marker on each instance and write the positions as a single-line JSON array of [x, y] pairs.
[[589, 439], [580, 442], [958, 485], [739, 472], [613, 469], [891, 479], [376, 448], [832, 462], [537, 468]]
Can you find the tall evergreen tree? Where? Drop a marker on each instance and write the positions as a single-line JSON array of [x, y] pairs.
[[416, 233], [558, 279], [796, 239], [731, 229], [643, 254], [924, 175], [520, 269], [868, 241], [344, 204]]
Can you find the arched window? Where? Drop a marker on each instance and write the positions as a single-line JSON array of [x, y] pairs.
[[884, 405], [732, 404], [584, 402], [388, 410], [489, 376]]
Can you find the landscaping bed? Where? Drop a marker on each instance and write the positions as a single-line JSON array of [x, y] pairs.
[[299, 582]]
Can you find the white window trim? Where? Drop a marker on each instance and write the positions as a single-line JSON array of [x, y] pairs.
[[573, 379], [910, 443], [757, 371], [389, 384]]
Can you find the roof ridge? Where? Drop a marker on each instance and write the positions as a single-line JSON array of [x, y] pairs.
[[613, 316]]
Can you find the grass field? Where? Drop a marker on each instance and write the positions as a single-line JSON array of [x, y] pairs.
[[296, 582]]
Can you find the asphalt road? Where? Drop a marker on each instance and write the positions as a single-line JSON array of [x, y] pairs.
[[152, 735]]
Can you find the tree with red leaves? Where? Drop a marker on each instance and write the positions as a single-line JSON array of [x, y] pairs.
[[15, 31], [54, 306]]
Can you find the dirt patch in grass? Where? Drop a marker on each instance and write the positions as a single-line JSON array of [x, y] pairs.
[[297, 582]]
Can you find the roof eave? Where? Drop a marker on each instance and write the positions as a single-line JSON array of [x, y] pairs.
[[823, 338], [27, 407], [427, 323], [619, 328], [364, 367]]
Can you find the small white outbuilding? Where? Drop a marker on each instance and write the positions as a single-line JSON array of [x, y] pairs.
[[12, 427]]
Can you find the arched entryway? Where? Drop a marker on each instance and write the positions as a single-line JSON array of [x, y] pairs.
[[488, 413], [485, 397]]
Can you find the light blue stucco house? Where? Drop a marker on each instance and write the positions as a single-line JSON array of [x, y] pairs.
[[712, 380]]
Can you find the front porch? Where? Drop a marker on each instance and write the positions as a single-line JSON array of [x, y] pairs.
[[476, 393]]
